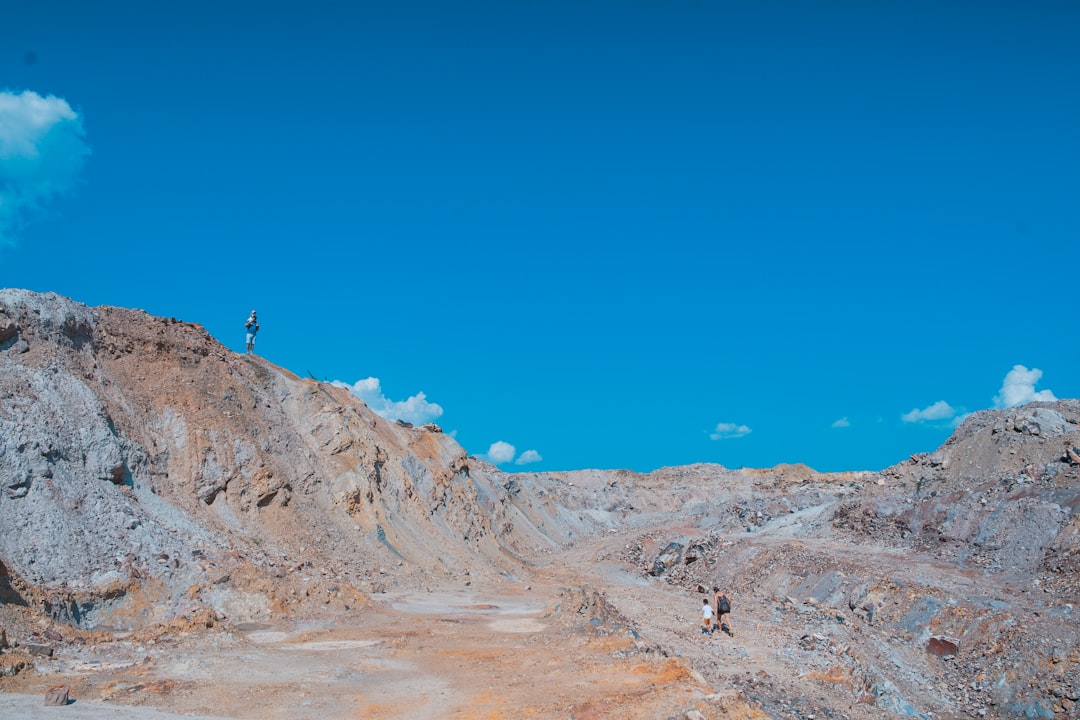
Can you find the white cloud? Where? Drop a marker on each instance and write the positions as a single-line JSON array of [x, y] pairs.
[[959, 420], [529, 456], [42, 150], [1019, 388], [842, 423], [729, 431], [416, 409], [940, 410], [501, 452]]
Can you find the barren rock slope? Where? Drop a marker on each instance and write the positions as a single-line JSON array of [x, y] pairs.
[[137, 451], [204, 532]]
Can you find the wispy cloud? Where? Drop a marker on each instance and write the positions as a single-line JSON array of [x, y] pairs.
[[1019, 388], [937, 412], [729, 431], [416, 409], [42, 150], [842, 423]]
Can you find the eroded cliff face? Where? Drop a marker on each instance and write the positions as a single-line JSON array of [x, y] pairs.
[[138, 450]]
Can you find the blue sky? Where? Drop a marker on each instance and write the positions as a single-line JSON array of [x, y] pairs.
[[575, 235]]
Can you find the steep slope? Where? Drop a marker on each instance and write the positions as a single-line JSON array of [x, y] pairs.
[[137, 452]]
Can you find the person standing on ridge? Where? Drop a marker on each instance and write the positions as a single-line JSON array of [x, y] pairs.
[[252, 326]]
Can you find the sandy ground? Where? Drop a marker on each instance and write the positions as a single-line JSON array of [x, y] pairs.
[[581, 634], [18, 707], [524, 648]]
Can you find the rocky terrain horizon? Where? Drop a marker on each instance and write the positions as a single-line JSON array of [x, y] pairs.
[[185, 530]]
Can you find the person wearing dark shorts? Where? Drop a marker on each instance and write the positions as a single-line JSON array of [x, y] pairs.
[[723, 607]]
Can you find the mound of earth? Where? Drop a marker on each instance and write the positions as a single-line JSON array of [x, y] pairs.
[[188, 531]]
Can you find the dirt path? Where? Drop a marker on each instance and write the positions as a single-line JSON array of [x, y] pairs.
[[788, 657], [502, 651], [581, 635]]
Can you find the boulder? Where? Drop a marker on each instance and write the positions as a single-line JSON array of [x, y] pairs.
[[942, 647], [1042, 422], [57, 695], [38, 649], [8, 328], [1072, 455], [669, 557]]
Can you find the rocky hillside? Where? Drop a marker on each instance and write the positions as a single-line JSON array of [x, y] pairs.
[[139, 458], [945, 586], [150, 476]]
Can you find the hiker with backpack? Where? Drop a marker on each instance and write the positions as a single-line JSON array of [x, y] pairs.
[[252, 326], [723, 607]]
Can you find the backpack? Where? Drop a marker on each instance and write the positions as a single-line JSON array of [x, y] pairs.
[[724, 605]]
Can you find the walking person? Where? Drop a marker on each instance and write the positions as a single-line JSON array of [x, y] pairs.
[[706, 617], [252, 326], [723, 607]]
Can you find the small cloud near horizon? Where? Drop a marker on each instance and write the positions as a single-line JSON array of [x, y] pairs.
[[529, 456], [842, 423], [729, 431], [416, 409], [42, 151], [1018, 388], [502, 452], [940, 410]]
